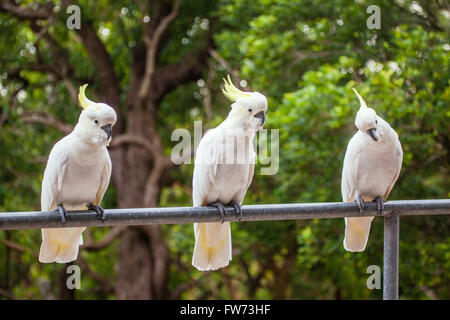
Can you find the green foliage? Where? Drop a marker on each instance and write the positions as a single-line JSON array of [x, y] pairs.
[[306, 56]]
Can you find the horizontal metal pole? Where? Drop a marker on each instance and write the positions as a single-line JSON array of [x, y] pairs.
[[172, 215]]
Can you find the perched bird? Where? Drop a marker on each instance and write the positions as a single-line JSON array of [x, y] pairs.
[[372, 164], [76, 177], [223, 171]]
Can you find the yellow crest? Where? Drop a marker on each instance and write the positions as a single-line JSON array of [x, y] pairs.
[[84, 102], [361, 100], [231, 92]]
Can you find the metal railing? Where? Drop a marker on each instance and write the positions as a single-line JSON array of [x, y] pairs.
[[393, 210]]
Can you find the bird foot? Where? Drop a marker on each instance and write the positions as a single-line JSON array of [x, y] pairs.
[[99, 210], [380, 205], [237, 208], [62, 212], [221, 209], [360, 203]]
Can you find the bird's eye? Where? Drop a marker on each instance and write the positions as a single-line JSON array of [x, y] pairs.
[[249, 110], [376, 121], [96, 121]]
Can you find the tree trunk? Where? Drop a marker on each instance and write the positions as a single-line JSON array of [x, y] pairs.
[[143, 252], [138, 164], [64, 293]]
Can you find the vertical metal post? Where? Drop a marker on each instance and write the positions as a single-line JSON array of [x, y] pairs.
[[391, 244]]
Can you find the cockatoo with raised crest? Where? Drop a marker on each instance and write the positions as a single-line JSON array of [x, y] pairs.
[[223, 171], [372, 165], [76, 177]]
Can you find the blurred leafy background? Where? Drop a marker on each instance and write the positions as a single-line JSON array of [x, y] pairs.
[[305, 56]]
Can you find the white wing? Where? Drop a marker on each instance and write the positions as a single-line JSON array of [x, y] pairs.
[[106, 177], [209, 153], [58, 244], [399, 155], [212, 248], [54, 174], [242, 193], [350, 170], [356, 229]]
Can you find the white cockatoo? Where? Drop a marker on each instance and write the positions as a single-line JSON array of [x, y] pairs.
[[223, 171], [372, 164], [76, 177]]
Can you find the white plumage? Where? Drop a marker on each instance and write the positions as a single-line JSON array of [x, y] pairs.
[[372, 165], [77, 174], [223, 171]]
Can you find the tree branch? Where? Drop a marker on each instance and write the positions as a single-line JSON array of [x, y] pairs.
[[428, 21], [25, 13], [7, 294], [303, 55], [17, 247], [13, 245], [152, 43], [175, 295], [189, 68], [106, 241], [223, 63], [429, 292], [60, 68], [105, 286], [132, 139], [46, 119], [109, 90], [207, 100]]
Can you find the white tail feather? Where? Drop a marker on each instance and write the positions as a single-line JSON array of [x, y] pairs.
[[357, 233], [212, 246], [60, 245]]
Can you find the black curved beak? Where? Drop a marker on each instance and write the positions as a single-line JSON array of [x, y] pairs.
[[372, 133], [262, 116], [108, 130]]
